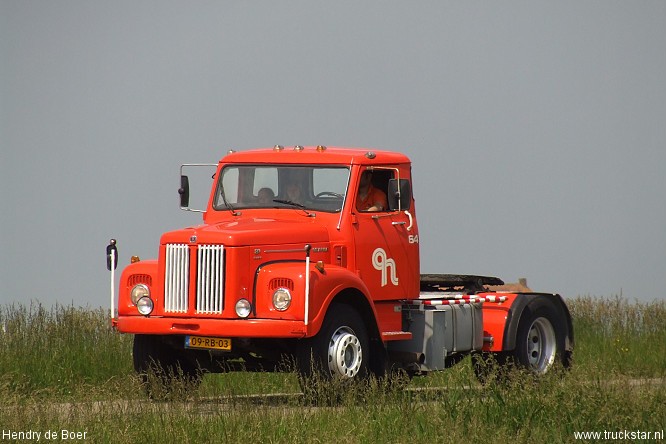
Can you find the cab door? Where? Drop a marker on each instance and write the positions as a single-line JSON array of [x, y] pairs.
[[387, 249]]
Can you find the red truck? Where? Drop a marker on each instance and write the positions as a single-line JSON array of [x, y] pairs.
[[312, 254]]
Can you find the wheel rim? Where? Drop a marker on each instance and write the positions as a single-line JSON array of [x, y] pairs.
[[541, 345], [345, 353]]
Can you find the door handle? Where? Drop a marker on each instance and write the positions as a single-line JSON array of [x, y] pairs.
[[402, 222], [411, 220]]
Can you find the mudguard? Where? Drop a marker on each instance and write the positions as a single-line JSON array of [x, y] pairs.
[[325, 286], [513, 319]]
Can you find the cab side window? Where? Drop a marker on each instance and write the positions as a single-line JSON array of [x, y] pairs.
[[371, 196]]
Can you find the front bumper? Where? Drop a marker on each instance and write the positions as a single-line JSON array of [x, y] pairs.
[[232, 328]]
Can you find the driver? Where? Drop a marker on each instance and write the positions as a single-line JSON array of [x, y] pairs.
[[266, 196], [370, 198]]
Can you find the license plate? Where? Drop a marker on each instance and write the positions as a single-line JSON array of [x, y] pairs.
[[208, 343]]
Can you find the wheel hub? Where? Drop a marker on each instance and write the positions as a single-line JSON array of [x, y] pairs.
[[541, 345], [345, 353]]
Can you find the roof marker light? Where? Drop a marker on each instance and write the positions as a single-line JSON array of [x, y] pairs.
[[321, 148], [298, 148], [278, 148], [370, 155]]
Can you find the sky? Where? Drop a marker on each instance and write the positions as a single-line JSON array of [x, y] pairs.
[[537, 129]]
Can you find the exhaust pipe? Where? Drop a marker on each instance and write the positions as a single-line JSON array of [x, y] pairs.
[[405, 357]]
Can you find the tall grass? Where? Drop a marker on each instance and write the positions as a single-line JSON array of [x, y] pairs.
[[548, 411], [57, 365], [59, 351], [620, 336]]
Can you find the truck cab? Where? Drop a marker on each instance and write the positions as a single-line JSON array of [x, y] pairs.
[[312, 254]]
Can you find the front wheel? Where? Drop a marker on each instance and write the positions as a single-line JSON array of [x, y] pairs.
[[338, 353], [162, 368], [345, 353]]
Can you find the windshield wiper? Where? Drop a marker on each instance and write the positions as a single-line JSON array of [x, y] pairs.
[[289, 202], [228, 205], [295, 204]]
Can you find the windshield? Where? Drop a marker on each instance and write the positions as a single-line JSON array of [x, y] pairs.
[[282, 186]]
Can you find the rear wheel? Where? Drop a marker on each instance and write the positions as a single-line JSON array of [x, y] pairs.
[[540, 338], [540, 343], [540, 346], [163, 368]]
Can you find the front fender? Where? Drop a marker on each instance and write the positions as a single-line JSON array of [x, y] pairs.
[[324, 286], [143, 272], [335, 281]]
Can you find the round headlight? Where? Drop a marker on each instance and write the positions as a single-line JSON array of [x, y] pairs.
[[281, 299], [243, 308], [138, 292], [145, 305]]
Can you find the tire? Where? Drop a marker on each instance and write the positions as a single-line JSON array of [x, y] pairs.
[[540, 344], [161, 368], [339, 353], [540, 339]]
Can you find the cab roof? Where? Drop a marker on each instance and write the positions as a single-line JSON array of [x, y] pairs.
[[314, 155]]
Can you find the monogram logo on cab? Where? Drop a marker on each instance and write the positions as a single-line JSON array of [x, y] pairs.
[[383, 263]]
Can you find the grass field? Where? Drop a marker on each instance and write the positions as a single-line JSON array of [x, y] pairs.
[[65, 369]]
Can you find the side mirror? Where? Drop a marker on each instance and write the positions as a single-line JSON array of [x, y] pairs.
[[399, 194], [111, 255], [184, 192]]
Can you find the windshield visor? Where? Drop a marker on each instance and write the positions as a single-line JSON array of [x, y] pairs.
[[282, 186]]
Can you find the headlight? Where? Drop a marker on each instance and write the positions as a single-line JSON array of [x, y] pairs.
[[281, 299], [145, 305], [138, 292], [243, 308]]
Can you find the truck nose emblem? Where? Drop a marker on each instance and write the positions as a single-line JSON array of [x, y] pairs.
[[193, 239]]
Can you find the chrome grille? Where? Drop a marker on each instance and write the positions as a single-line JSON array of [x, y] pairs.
[[210, 279], [176, 278], [209, 284]]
